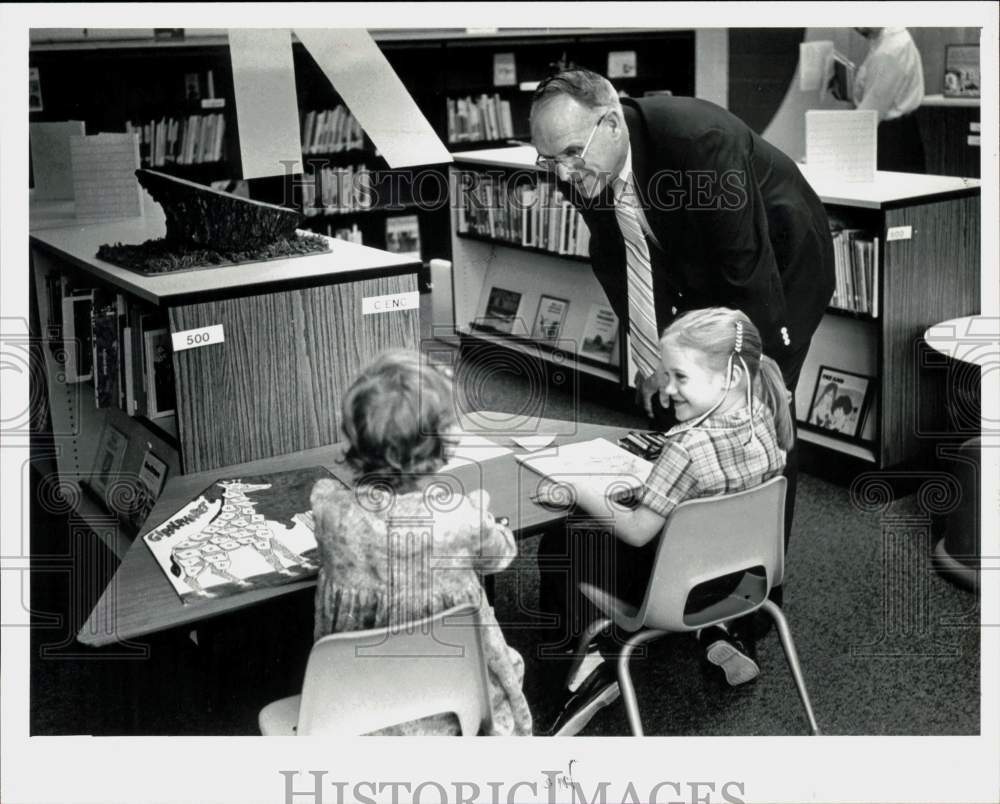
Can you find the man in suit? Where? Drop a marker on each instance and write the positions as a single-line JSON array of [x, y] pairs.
[[687, 208]]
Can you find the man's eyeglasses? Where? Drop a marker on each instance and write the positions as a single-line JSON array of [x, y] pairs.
[[571, 160]]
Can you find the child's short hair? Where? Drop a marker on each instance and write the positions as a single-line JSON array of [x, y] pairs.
[[396, 416], [713, 333]]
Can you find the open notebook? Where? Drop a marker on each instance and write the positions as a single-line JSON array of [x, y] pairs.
[[598, 464]]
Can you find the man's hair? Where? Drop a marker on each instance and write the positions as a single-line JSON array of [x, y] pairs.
[[586, 87]]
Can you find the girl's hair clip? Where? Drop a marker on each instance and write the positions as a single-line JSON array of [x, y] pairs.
[[738, 346]]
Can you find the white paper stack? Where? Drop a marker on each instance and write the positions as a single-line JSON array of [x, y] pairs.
[[104, 182], [842, 144]]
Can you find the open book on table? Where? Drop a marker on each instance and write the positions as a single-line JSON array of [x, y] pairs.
[[598, 464]]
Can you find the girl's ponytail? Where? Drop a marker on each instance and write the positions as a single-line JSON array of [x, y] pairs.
[[771, 389]]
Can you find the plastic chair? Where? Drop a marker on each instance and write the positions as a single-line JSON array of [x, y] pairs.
[[357, 682], [702, 540]]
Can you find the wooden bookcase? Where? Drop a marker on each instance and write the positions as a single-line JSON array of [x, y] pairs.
[[951, 134], [927, 271], [295, 335]]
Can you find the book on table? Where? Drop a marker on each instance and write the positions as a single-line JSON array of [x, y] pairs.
[[599, 465], [240, 534]]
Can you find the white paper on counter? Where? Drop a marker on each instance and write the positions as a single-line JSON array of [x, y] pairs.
[[842, 143]]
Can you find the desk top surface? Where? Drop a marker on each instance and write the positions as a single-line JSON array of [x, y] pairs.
[[140, 601], [887, 188], [77, 243]]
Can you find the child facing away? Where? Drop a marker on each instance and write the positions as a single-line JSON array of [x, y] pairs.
[[392, 549], [733, 433]]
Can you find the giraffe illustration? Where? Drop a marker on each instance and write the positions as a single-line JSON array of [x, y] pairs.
[[236, 526]]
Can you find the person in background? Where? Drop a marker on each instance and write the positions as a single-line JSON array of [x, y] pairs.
[[734, 431], [891, 81], [687, 208], [398, 418]]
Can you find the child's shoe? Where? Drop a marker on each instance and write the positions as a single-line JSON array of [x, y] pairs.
[[598, 690], [727, 657]]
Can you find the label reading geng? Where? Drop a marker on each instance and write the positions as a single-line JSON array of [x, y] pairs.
[[391, 303]]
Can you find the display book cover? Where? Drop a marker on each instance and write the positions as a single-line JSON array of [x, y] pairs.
[[606, 468], [240, 534]]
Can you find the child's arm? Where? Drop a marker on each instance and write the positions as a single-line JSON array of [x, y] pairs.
[[634, 526], [670, 482]]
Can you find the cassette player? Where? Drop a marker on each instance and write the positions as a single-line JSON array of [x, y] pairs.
[[645, 444]]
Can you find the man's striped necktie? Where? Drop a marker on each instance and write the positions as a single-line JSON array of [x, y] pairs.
[[644, 350]]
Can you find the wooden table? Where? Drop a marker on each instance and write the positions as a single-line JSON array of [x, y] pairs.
[[140, 601]]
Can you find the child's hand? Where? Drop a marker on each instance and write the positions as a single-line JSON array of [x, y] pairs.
[[552, 494], [480, 498]]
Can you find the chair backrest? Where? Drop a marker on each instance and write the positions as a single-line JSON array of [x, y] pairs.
[[357, 682], [708, 538]]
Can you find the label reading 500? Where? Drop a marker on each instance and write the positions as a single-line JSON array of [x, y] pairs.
[[203, 336]]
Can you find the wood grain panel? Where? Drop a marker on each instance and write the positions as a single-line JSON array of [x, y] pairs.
[[274, 385], [944, 132], [932, 277]]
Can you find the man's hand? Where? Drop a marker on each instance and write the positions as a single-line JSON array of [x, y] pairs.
[[646, 388]]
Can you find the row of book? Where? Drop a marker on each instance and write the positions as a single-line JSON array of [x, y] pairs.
[[120, 345], [352, 234], [856, 270], [189, 140], [331, 131], [486, 118], [536, 216], [332, 190], [402, 235]]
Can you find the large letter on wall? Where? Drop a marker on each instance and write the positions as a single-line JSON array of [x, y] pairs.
[[266, 110], [376, 97]]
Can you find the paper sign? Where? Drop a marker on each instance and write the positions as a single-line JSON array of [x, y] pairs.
[[814, 60], [392, 303], [973, 139], [899, 233], [504, 70], [266, 108], [842, 143], [193, 338], [50, 157], [104, 182], [621, 64], [375, 95]]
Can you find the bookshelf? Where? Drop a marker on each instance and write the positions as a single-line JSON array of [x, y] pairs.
[[178, 99], [924, 246], [295, 333], [109, 77]]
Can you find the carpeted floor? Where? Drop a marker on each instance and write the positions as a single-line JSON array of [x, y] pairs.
[[887, 646]]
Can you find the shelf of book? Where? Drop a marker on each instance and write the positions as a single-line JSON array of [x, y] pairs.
[[539, 351], [531, 249]]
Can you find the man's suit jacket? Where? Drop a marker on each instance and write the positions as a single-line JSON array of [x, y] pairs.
[[736, 221]]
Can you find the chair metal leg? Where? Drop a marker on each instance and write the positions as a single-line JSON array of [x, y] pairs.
[[592, 631], [788, 644], [625, 680]]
